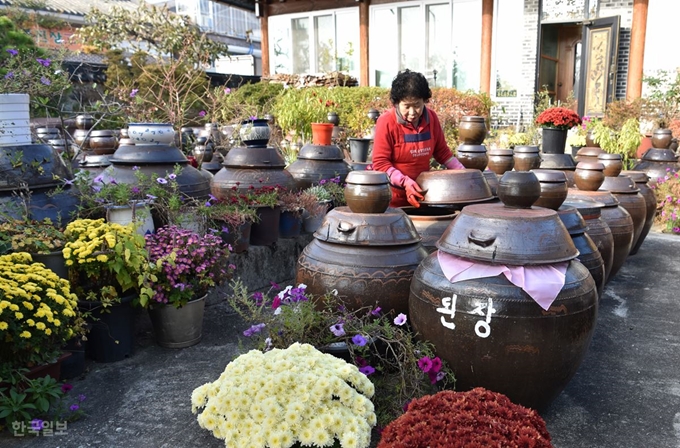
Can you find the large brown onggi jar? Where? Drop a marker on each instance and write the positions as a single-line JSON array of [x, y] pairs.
[[597, 229], [657, 163], [626, 191], [617, 218], [369, 258], [317, 162], [491, 332], [641, 180]]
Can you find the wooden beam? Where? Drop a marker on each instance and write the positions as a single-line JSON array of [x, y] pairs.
[[636, 57], [487, 31], [264, 32], [363, 43]]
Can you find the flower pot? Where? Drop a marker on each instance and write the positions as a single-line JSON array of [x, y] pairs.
[[151, 133], [14, 123], [74, 365], [52, 369], [322, 133], [265, 232], [312, 223], [178, 327], [138, 213], [255, 133], [238, 238], [112, 336], [53, 261], [554, 140], [358, 148], [290, 224]]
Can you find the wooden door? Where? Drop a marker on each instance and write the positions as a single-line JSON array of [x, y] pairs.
[[569, 41]]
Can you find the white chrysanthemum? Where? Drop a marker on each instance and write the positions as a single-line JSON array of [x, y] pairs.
[[306, 435], [321, 438], [275, 440], [349, 440]]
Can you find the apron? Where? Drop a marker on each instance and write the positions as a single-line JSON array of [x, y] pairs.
[[412, 156]]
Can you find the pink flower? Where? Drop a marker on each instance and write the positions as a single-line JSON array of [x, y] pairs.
[[276, 302], [425, 364], [400, 319]]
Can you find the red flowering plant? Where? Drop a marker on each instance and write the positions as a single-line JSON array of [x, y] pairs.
[[401, 366], [476, 418], [558, 117], [185, 264]]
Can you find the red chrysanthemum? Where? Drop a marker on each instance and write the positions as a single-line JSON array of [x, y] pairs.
[[558, 117]]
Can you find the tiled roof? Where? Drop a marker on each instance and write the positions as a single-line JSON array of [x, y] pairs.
[[76, 7]]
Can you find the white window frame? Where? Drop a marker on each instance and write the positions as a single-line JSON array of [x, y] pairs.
[[494, 60]]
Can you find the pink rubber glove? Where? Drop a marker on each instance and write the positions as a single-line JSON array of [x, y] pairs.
[[454, 164], [413, 190]]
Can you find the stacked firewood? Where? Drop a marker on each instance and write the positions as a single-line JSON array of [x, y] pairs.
[[320, 80]]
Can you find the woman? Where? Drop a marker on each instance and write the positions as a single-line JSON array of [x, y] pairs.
[[407, 136]]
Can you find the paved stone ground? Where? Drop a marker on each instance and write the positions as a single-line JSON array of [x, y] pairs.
[[625, 394]]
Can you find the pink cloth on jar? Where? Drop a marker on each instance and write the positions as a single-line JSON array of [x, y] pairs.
[[542, 282]]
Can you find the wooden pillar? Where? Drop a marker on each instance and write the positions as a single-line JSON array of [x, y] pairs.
[[487, 31], [264, 44], [636, 57], [363, 43]]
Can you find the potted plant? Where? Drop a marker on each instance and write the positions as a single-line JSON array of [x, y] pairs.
[[42, 239], [379, 344], [667, 192], [186, 266], [450, 419], [624, 141], [231, 217], [38, 312], [292, 208], [283, 397], [265, 200], [109, 271], [555, 122]]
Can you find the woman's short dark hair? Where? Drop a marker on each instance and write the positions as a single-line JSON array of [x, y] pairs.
[[408, 84]]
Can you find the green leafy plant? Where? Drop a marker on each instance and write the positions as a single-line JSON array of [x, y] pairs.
[[662, 102], [37, 237], [379, 344], [624, 141]]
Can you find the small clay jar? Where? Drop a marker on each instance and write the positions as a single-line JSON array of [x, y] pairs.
[[367, 191], [472, 157], [500, 160], [661, 138], [105, 144], [472, 130], [590, 140], [202, 154], [526, 158], [553, 188], [613, 164], [589, 176], [519, 189], [84, 121]]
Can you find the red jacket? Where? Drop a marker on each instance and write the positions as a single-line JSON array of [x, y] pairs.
[[398, 144]]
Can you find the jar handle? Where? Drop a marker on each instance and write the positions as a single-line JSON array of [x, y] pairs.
[[483, 241], [346, 227]]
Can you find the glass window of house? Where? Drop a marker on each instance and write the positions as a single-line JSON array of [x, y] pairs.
[[383, 56], [438, 23], [300, 45], [410, 38], [507, 47], [568, 10], [347, 37], [325, 43], [280, 53], [467, 46]]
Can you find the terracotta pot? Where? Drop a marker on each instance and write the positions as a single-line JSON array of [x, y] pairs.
[[597, 229], [629, 197], [519, 189], [500, 160], [613, 164], [526, 158], [589, 176], [553, 188], [472, 156], [661, 138], [368, 191], [647, 193], [645, 145], [472, 130], [322, 133]]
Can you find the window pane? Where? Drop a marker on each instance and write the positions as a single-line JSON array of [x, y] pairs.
[[568, 10], [548, 74], [279, 42], [438, 22], [507, 47], [300, 45], [467, 44], [347, 36], [384, 53], [549, 41], [410, 39], [325, 43]]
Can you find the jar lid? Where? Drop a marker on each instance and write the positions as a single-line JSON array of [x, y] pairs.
[[590, 151], [603, 196], [446, 187], [586, 208], [95, 160], [660, 155], [608, 156], [572, 219], [499, 152], [320, 152], [148, 155], [544, 175], [367, 177], [391, 228], [619, 184], [590, 166], [474, 118], [471, 148], [254, 157], [637, 176], [525, 148], [103, 133], [495, 233]]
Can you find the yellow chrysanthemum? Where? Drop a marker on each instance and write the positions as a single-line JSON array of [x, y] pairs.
[[3, 325], [40, 326], [25, 334]]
